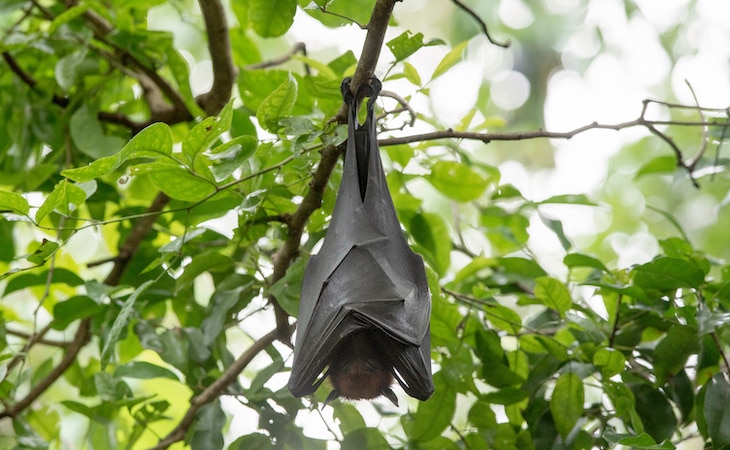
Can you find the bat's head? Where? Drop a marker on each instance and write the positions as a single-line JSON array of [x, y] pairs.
[[360, 369]]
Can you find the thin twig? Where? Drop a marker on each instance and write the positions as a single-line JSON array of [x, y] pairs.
[[299, 47], [481, 23], [403, 102], [705, 131]]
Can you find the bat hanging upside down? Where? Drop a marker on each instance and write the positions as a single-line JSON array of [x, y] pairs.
[[365, 306]]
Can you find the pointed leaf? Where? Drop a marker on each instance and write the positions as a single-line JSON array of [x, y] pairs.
[[153, 142], [12, 202], [566, 404], [278, 104]]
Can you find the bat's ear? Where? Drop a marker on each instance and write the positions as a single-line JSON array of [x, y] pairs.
[[390, 395]]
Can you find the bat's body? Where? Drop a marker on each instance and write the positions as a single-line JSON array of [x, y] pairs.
[[365, 306]]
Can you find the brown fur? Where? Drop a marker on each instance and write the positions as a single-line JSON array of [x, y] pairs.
[[360, 369]]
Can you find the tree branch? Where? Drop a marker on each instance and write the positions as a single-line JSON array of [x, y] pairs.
[[219, 46]]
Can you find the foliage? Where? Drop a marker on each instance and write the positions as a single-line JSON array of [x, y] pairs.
[[153, 239]]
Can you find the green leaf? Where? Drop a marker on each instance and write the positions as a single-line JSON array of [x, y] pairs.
[[411, 74], [568, 199], [120, 322], [176, 181], [144, 371], [12, 202], [671, 354], [573, 260], [610, 361], [457, 181], [206, 432], [553, 294], [154, 141], [666, 274], [481, 415], [556, 226], [204, 134], [658, 165], [63, 195], [432, 235], [436, 413], [278, 104], [655, 411], [506, 396], [210, 261], [271, 18], [43, 252], [66, 16], [566, 404], [89, 137], [365, 438], [717, 411], [450, 60], [348, 416], [407, 44], [639, 442], [58, 275], [68, 69], [77, 307], [286, 290]]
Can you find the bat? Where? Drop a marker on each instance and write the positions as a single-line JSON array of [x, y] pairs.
[[365, 306]]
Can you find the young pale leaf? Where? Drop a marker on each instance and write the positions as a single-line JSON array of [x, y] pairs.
[[12, 202], [278, 104], [457, 181], [553, 294], [566, 404], [176, 181], [205, 133], [411, 74], [154, 141], [407, 44], [610, 361], [63, 195], [450, 60], [658, 165], [271, 18], [43, 252]]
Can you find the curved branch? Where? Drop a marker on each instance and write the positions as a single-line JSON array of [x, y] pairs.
[[481, 23], [219, 46]]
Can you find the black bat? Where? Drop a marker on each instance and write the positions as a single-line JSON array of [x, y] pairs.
[[365, 305]]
